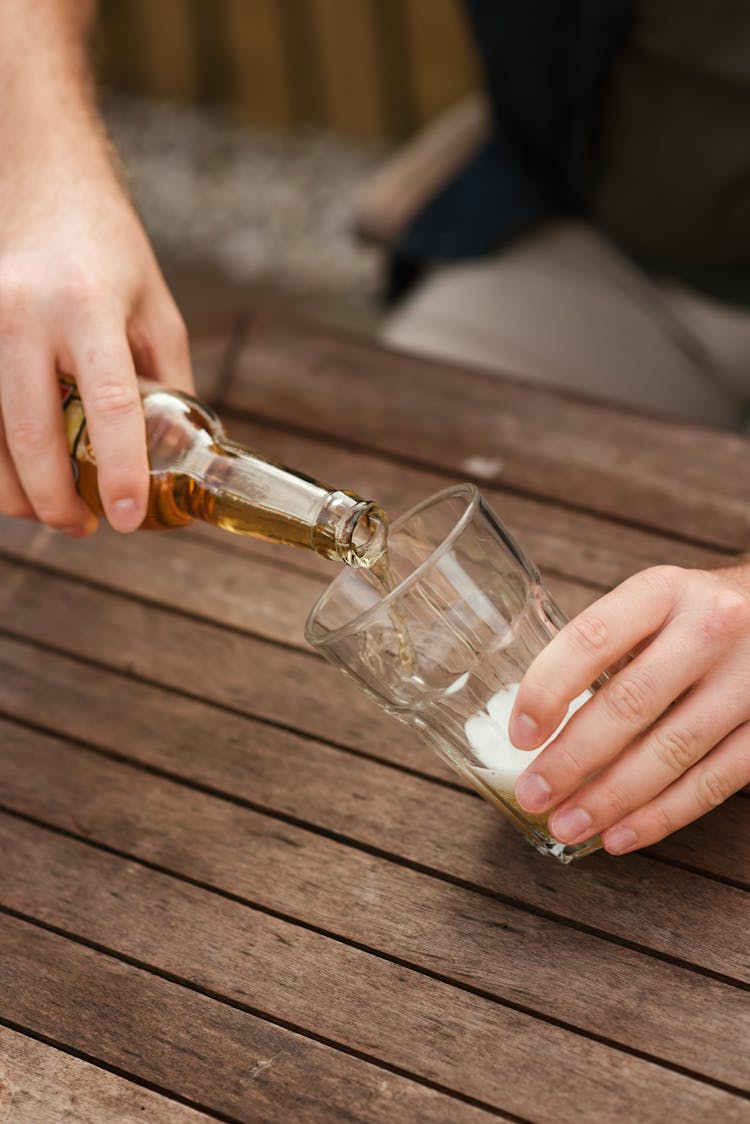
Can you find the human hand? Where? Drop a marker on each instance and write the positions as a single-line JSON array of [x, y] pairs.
[[668, 737], [80, 293]]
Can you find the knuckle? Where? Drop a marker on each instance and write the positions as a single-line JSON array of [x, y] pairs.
[[662, 822], [627, 699], [713, 789], [572, 764], [675, 748], [540, 698], [663, 579], [28, 434], [112, 398], [614, 801], [588, 633], [15, 295], [727, 613], [79, 290]]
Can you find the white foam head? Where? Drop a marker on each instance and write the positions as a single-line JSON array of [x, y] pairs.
[[487, 734]]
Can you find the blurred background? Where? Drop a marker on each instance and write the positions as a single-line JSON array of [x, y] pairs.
[[248, 129]]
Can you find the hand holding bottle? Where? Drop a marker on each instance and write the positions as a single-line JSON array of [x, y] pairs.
[[668, 737], [80, 290]]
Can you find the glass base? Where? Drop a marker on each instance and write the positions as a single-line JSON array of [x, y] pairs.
[[563, 852], [533, 828]]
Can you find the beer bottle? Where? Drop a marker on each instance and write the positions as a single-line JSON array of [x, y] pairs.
[[198, 473]]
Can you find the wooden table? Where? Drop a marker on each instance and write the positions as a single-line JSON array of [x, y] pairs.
[[231, 889]]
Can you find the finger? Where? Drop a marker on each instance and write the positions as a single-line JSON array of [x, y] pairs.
[[587, 646], [685, 735], [159, 341], [626, 705], [105, 374], [13, 499], [713, 780], [35, 436]]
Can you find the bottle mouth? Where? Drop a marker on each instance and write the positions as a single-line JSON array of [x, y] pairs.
[[351, 530], [368, 538]]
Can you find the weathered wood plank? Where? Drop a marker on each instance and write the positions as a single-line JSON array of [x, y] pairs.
[[329, 784], [677, 478], [291, 975], [251, 590], [325, 705], [569, 543], [84, 621], [589, 548], [653, 906], [226, 667], [123, 906], [225, 1059], [42, 1085]]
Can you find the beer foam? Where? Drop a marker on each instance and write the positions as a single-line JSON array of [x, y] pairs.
[[499, 763]]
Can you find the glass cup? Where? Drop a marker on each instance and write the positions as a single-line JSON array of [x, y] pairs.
[[440, 638]]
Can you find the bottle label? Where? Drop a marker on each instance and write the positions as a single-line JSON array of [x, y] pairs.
[[75, 420]]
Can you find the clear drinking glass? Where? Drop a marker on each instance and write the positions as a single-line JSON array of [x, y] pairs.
[[446, 648]]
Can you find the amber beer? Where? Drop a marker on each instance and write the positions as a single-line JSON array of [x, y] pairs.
[[198, 473]]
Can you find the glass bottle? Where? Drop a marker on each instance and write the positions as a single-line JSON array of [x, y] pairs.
[[198, 473]]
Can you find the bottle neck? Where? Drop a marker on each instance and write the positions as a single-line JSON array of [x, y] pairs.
[[242, 491]]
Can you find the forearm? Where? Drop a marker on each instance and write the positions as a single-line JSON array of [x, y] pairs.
[[47, 109]]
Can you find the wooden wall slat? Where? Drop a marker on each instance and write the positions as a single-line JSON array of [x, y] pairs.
[[369, 67], [257, 59], [169, 51], [348, 65], [148, 47], [441, 58]]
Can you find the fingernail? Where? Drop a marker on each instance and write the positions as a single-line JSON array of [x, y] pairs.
[[524, 731], [533, 793], [123, 516], [619, 840], [567, 826]]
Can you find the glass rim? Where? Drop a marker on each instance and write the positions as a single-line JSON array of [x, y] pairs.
[[473, 501]]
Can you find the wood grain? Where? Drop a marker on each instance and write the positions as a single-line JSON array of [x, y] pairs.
[[42, 1085], [691, 919], [231, 878], [290, 972], [677, 478], [443, 66], [257, 60], [223, 1058], [335, 791], [84, 621], [345, 40]]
